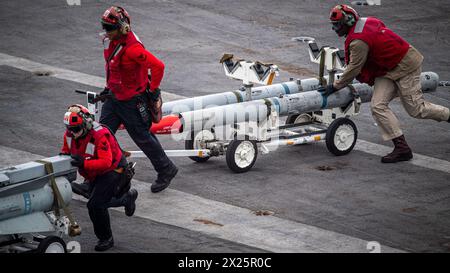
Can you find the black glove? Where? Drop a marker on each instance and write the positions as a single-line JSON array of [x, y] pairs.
[[105, 91], [103, 95], [77, 161], [155, 94], [326, 91]]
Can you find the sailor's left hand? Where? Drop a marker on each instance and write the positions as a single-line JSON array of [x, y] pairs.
[[326, 91]]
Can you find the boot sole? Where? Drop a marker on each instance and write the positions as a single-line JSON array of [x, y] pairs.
[[103, 248], [395, 161], [134, 209], [167, 185]]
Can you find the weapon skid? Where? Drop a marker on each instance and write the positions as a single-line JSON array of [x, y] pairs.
[[31, 196], [240, 123]]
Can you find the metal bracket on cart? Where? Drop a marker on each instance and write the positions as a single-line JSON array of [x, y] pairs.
[[329, 58], [248, 72], [92, 102]]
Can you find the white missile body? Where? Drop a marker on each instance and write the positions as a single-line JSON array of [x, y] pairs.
[[259, 110], [26, 195], [430, 81]]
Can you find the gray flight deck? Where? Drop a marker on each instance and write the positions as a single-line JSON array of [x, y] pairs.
[[403, 206]]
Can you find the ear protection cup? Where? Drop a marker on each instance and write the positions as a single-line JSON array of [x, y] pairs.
[[124, 21], [89, 123], [125, 29], [350, 20]]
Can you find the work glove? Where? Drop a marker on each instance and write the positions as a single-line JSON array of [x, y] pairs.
[[327, 90], [103, 95], [105, 91], [77, 161], [155, 94]]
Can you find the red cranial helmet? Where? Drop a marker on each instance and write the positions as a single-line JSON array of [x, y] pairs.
[[77, 118], [344, 14], [115, 18]]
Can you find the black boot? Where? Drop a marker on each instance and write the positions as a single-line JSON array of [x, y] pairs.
[[401, 151], [164, 179], [83, 189], [130, 203], [103, 245]]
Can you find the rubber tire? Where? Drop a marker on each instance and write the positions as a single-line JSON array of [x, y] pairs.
[[331, 132], [231, 149], [189, 145], [291, 118], [47, 241]]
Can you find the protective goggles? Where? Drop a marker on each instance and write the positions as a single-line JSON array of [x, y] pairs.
[[74, 129], [109, 27]]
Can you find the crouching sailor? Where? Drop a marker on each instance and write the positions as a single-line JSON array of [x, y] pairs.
[[97, 154]]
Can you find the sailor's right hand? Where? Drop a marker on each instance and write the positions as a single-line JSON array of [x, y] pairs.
[[77, 161]]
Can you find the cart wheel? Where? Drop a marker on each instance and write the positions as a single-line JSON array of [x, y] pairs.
[[298, 118], [241, 155], [341, 136], [52, 244], [194, 143]]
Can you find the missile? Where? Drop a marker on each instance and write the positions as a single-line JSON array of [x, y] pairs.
[[26, 194], [430, 81], [259, 110], [237, 96], [30, 201]]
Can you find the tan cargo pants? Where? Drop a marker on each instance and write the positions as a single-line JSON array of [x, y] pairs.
[[408, 88]]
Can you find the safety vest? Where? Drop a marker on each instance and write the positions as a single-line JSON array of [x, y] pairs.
[[124, 79], [87, 147], [386, 49]]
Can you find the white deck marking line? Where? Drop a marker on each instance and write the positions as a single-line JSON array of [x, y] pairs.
[[70, 75], [418, 159], [232, 223], [64, 74]]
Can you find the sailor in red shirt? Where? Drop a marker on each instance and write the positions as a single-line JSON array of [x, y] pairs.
[[378, 56], [127, 65], [100, 161]]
